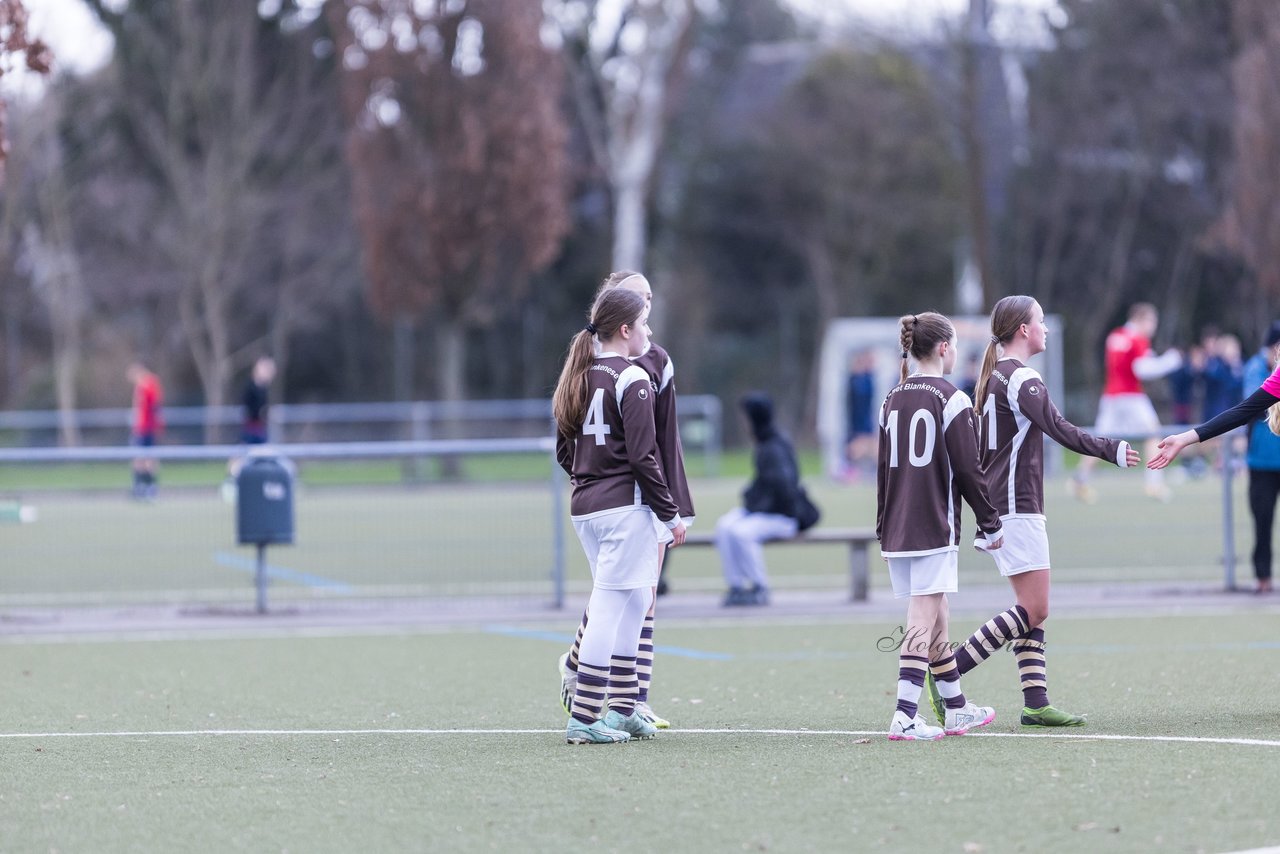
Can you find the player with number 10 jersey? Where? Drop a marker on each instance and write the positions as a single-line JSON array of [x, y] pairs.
[[928, 462]]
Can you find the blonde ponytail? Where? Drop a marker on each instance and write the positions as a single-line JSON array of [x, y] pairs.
[[989, 357], [1273, 418], [1006, 319], [569, 403]]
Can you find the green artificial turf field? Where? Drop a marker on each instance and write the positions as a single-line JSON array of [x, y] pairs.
[[440, 741], [495, 540]]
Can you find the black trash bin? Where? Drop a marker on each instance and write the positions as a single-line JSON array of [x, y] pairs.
[[264, 511], [264, 501]]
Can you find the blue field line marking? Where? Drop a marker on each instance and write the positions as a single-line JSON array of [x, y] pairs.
[[560, 637], [281, 573]]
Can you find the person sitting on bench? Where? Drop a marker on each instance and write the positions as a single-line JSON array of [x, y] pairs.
[[774, 508]]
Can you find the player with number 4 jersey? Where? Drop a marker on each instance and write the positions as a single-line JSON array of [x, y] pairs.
[[605, 441], [1016, 414]]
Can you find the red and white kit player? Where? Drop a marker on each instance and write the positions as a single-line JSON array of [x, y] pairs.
[[1125, 410]]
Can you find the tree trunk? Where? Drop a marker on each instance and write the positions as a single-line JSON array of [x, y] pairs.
[[402, 347], [452, 355]]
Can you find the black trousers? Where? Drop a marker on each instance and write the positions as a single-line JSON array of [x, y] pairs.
[[1264, 486]]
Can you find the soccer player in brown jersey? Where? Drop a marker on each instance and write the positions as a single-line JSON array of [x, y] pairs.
[[928, 462], [606, 442], [657, 364], [1015, 414]]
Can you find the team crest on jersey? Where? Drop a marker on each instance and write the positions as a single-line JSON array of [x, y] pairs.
[[1035, 389], [643, 393]]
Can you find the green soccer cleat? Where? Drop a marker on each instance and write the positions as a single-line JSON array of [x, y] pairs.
[[643, 710], [633, 725], [1048, 716], [935, 699], [593, 733], [568, 685]]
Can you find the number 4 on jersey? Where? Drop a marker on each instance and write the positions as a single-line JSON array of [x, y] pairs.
[[594, 424]]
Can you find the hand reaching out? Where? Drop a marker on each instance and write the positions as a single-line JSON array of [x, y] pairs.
[[1170, 447]]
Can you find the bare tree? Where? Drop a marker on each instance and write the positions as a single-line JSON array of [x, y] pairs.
[[457, 150], [218, 104], [1129, 132], [17, 47], [48, 248], [624, 59], [1251, 223]]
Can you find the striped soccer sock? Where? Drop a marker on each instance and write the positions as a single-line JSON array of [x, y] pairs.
[[1030, 653], [911, 670], [623, 685], [588, 700], [644, 660], [947, 677], [576, 649], [990, 636]]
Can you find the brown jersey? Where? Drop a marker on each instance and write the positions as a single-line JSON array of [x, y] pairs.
[[613, 457], [657, 364], [1016, 416], [928, 462]]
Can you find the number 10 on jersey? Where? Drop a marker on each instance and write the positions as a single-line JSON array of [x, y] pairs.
[[922, 422]]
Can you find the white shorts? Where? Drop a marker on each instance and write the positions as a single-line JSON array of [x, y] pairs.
[[621, 547], [1026, 545], [1126, 416], [660, 528], [924, 574]]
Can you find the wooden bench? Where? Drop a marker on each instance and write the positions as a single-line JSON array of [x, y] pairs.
[[858, 540]]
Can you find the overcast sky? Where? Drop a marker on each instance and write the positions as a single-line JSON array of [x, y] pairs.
[[79, 44]]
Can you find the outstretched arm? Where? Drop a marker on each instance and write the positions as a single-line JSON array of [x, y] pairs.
[[1240, 414]]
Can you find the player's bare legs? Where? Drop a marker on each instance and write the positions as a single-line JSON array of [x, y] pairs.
[[956, 714], [913, 663], [1032, 590]]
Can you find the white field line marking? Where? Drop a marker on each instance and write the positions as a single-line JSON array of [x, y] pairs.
[[1178, 739], [226, 630]]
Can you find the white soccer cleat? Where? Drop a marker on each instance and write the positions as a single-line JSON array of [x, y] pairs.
[[903, 728], [568, 685], [651, 716], [960, 721]]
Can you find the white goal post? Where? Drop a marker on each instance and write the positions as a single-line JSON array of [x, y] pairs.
[[848, 337]]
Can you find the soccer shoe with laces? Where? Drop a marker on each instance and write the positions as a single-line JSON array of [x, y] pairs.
[[903, 728], [593, 733], [1048, 716], [633, 725], [960, 721], [568, 685], [935, 699], [643, 710]]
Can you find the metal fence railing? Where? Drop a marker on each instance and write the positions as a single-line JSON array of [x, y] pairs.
[[487, 522], [701, 423]]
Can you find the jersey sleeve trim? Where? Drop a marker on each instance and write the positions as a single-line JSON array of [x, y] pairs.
[[631, 375], [668, 374], [958, 403]]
